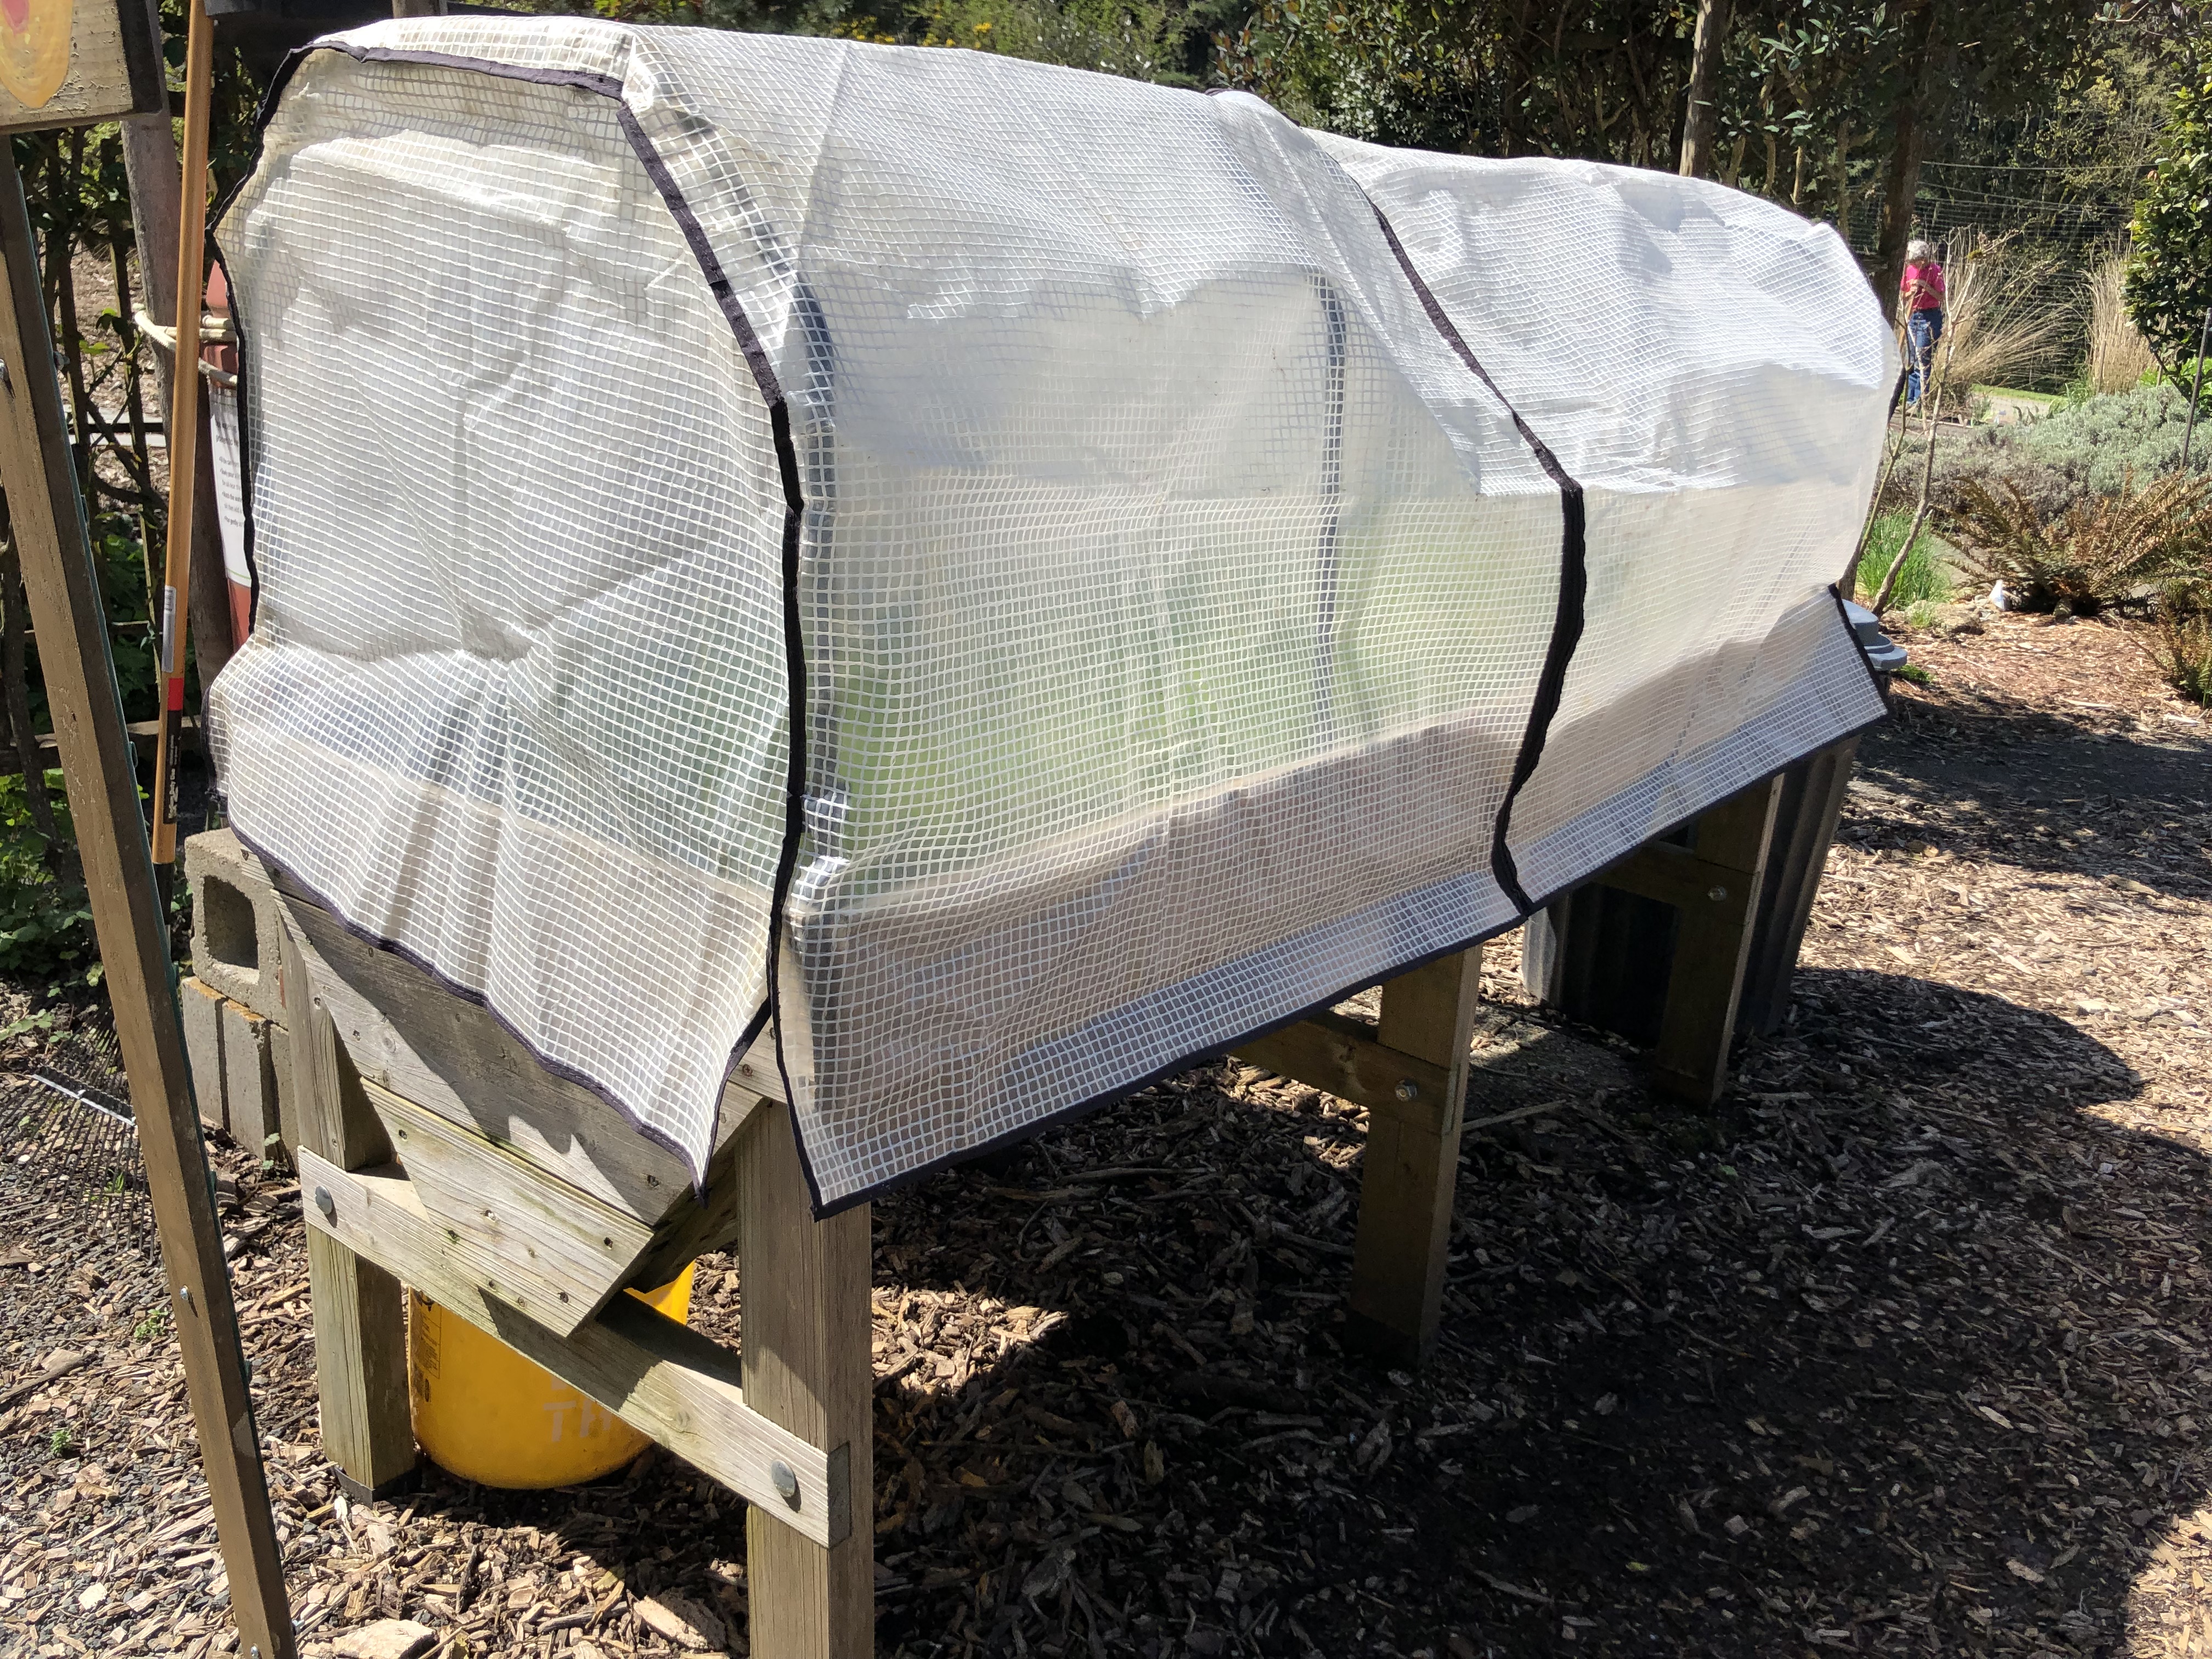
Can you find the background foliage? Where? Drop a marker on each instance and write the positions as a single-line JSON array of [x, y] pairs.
[[2170, 276]]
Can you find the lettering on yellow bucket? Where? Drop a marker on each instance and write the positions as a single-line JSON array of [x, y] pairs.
[[485, 1414]]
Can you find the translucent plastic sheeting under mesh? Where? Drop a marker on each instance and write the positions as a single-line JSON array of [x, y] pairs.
[[1043, 550]]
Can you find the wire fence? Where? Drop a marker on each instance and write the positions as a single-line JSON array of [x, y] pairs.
[[71, 1173]]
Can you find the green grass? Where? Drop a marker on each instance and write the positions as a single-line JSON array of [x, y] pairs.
[[2046, 398], [1926, 577]]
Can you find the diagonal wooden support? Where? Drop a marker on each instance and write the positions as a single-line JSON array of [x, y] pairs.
[[664, 1380], [48, 530]]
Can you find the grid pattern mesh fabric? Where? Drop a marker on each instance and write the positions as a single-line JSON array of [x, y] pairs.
[[1019, 571]]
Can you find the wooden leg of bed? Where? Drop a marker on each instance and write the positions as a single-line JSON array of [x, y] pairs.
[[803, 1285], [1713, 945], [1412, 1164], [359, 1310]]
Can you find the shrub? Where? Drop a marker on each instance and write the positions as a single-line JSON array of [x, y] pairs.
[[2098, 443], [2180, 640], [1988, 456], [2095, 554], [2170, 269], [1999, 326], [46, 927]]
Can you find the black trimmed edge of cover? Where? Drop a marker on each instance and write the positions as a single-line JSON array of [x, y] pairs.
[[1574, 580]]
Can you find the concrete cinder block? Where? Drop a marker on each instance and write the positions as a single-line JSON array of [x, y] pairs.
[[249, 1074], [238, 929], [201, 1005]]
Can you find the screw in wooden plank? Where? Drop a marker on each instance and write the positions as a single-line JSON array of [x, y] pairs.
[[326, 1204], [786, 1482], [1409, 1090], [1718, 895]]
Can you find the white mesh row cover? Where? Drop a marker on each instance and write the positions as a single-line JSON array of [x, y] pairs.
[[1111, 497]]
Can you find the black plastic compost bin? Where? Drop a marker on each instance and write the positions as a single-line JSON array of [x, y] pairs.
[[1602, 956]]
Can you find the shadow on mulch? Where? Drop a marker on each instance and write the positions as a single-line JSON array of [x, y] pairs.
[[1883, 1356], [1976, 773]]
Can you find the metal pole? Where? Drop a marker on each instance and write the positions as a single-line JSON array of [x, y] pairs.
[[2197, 391]]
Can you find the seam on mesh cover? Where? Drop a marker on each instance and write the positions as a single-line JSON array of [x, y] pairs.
[[794, 509], [1574, 582]]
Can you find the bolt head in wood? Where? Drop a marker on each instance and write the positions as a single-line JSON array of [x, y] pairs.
[[326, 1204], [1409, 1090], [1718, 895], [787, 1483]]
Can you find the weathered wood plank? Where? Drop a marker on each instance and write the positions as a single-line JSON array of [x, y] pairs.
[[561, 1252], [405, 1031], [359, 1310], [93, 61], [662, 1379], [1344, 1058], [1686, 879], [1411, 1164], [1712, 947], [806, 1318]]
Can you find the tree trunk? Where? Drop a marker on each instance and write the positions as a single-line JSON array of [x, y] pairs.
[[1699, 124], [1908, 137]]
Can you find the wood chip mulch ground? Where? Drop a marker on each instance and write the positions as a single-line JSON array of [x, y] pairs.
[[1902, 1350]]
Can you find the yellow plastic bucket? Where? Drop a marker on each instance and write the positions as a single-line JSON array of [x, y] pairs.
[[485, 1414]]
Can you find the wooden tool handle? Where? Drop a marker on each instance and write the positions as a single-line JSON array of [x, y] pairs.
[[183, 426]]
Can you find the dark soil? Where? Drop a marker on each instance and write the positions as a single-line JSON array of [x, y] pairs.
[[1900, 1350]]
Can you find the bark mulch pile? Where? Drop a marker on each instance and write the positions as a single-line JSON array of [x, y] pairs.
[[1902, 1349]]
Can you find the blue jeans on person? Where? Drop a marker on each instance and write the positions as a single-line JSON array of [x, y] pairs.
[[1921, 331]]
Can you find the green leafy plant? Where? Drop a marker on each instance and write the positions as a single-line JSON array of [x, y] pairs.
[[2097, 553], [2170, 266], [45, 926], [1924, 578], [1133, 40], [62, 1442]]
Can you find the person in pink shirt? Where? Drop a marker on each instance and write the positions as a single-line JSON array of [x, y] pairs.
[[1922, 295]]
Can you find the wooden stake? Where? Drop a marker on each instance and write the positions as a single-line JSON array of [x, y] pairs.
[[183, 426], [80, 677], [804, 1320], [1712, 944], [1410, 1166]]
